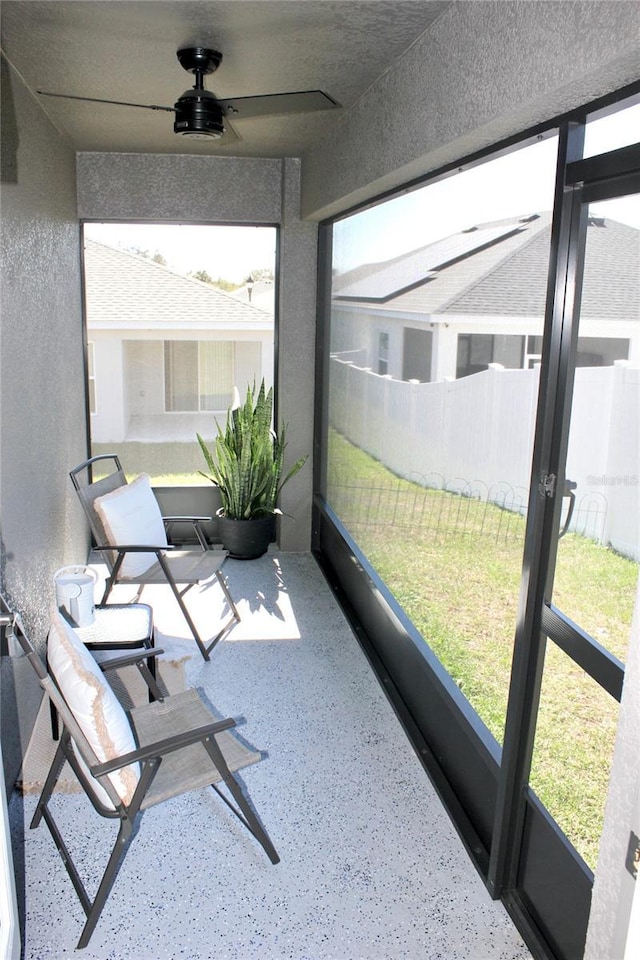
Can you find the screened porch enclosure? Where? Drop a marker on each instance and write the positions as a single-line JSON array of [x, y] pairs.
[[489, 558], [170, 388]]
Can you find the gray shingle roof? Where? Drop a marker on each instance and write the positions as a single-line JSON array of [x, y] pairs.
[[517, 286], [508, 278], [125, 289]]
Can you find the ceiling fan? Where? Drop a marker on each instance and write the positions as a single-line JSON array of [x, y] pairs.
[[201, 116]]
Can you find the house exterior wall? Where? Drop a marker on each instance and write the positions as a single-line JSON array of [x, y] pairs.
[[355, 332], [43, 431], [355, 335], [252, 355], [110, 417], [144, 381], [42, 383]]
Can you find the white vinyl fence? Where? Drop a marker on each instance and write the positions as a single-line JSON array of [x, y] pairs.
[[475, 436]]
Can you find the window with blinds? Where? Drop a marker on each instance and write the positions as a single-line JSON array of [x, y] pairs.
[[198, 375]]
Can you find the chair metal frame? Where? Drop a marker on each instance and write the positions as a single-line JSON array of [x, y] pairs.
[[150, 756], [192, 566]]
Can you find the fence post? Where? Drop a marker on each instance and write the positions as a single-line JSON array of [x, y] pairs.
[[496, 439]]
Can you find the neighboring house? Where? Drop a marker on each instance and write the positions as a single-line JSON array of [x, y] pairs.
[[259, 293], [165, 351], [453, 307]]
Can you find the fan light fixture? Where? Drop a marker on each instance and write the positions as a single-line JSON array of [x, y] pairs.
[[199, 116], [198, 113]]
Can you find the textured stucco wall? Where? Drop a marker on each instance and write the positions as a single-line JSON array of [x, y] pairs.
[[43, 430], [296, 356], [233, 190], [483, 72], [160, 187], [42, 419]]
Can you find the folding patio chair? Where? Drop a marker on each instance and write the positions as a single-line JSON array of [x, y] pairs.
[[116, 627], [130, 533], [128, 762]]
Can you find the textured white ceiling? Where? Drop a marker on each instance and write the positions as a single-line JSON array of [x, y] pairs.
[[124, 50]]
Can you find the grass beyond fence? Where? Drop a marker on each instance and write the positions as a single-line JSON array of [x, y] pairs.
[[454, 563], [167, 463]]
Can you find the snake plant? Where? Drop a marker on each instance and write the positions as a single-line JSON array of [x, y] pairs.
[[246, 459]]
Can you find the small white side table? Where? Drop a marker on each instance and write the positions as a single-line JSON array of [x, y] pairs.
[[119, 626]]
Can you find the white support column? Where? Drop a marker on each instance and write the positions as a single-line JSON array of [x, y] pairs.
[[445, 352]]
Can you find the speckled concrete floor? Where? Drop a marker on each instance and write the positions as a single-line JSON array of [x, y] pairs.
[[371, 867]]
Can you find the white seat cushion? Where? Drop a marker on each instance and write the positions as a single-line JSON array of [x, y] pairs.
[[94, 705], [131, 516]]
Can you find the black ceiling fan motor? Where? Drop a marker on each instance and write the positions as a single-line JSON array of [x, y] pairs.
[[198, 113]]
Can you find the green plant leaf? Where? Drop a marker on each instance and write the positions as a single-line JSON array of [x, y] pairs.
[[246, 460]]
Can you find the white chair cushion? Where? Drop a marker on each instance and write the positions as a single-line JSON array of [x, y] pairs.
[[130, 515], [96, 709]]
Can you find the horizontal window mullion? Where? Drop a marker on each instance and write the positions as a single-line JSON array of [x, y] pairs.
[[611, 189], [596, 660], [605, 166]]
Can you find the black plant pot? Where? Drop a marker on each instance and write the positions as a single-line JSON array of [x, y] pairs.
[[246, 539]]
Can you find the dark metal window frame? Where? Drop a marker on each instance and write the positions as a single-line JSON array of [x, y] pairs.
[[579, 182], [127, 221], [520, 823]]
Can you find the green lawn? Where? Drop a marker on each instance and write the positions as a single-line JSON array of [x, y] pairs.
[[168, 464], [454, 564]]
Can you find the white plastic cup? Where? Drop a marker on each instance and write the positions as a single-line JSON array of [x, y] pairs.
[[75, 593]]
